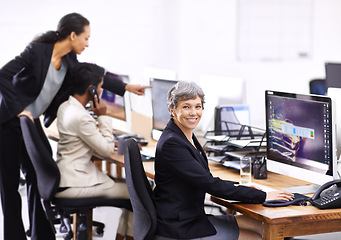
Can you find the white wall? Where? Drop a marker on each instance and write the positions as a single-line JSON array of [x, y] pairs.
[[190, 37]]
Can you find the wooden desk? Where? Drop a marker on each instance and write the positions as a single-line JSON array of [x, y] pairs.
[[288, 221], [118, 159], [278, 222], [281, 222]]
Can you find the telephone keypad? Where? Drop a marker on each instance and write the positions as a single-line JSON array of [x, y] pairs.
[[327, 199]]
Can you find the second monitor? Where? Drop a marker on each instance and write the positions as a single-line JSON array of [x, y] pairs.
[[118, 107], [161, 115], [333, 75]]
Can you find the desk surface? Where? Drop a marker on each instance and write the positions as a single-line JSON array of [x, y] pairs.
[[288, 221], [278, 222], [282, 221]]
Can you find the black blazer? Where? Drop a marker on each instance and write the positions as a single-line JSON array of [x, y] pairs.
[[22, 79], [182, 178]]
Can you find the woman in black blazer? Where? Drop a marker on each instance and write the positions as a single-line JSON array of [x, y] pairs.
[[34, 83], [182, 178]]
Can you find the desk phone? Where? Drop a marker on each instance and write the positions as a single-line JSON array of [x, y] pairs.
[[328, 195]]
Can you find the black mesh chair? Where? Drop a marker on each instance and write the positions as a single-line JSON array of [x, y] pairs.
[[140, 192], [48, 177]]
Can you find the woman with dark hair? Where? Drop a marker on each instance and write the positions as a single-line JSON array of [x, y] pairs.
[[73, 22], [183, 177], [35, 83], [79, 137]]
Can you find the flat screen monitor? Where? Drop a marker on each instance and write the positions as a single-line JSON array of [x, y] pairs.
[[118, 107], [335, 95], [333, 75], [300, 137], [161, 115]]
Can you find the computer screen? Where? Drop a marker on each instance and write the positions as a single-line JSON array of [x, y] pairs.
[[333, 75], [161, 115], [335, 95], [118, 107], [300, 135]]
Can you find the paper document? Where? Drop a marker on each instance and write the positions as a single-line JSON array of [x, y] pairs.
[[247, 142], [149, 152], [232, 164], [216, 158], [218, 138], [216, 147]]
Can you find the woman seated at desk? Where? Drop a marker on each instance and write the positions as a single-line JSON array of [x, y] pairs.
[[80, 137], [182, 178]]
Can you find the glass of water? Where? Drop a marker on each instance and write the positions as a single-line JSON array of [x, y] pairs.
[[245, 170]]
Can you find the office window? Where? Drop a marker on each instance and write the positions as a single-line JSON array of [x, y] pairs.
[[274, 30]]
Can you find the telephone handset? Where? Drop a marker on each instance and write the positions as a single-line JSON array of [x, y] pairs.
[[93, 93], [328, 195]]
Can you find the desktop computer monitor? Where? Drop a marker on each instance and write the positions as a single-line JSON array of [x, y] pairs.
[[333, 75], [118, 107], [335, 95], [161, 115], [300, 138]]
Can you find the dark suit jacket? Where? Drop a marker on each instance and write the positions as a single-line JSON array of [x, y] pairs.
[[22, 79], [182, 179]]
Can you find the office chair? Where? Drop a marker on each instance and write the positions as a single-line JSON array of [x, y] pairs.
[[140, 193], [318, 86], [48, 177]]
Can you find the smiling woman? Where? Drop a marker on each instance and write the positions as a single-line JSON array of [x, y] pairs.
[[185, 103], [187, 115], [182, 178]]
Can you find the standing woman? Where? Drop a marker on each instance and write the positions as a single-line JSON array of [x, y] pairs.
[[183, 177], [34, 83]]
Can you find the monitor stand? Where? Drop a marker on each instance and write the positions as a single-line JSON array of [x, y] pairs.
[[306, 189]]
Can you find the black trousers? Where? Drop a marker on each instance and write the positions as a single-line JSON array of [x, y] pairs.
[[13, 156]]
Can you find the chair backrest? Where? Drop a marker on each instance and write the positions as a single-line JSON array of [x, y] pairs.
[[39, 151], [318, 86], [140, 193], [227, 122]]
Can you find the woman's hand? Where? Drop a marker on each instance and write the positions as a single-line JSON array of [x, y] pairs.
[[279, 195], [26, 113], [101, 107], [136, 88]]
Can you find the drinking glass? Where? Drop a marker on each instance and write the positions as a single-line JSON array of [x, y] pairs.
[[245, 170]]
